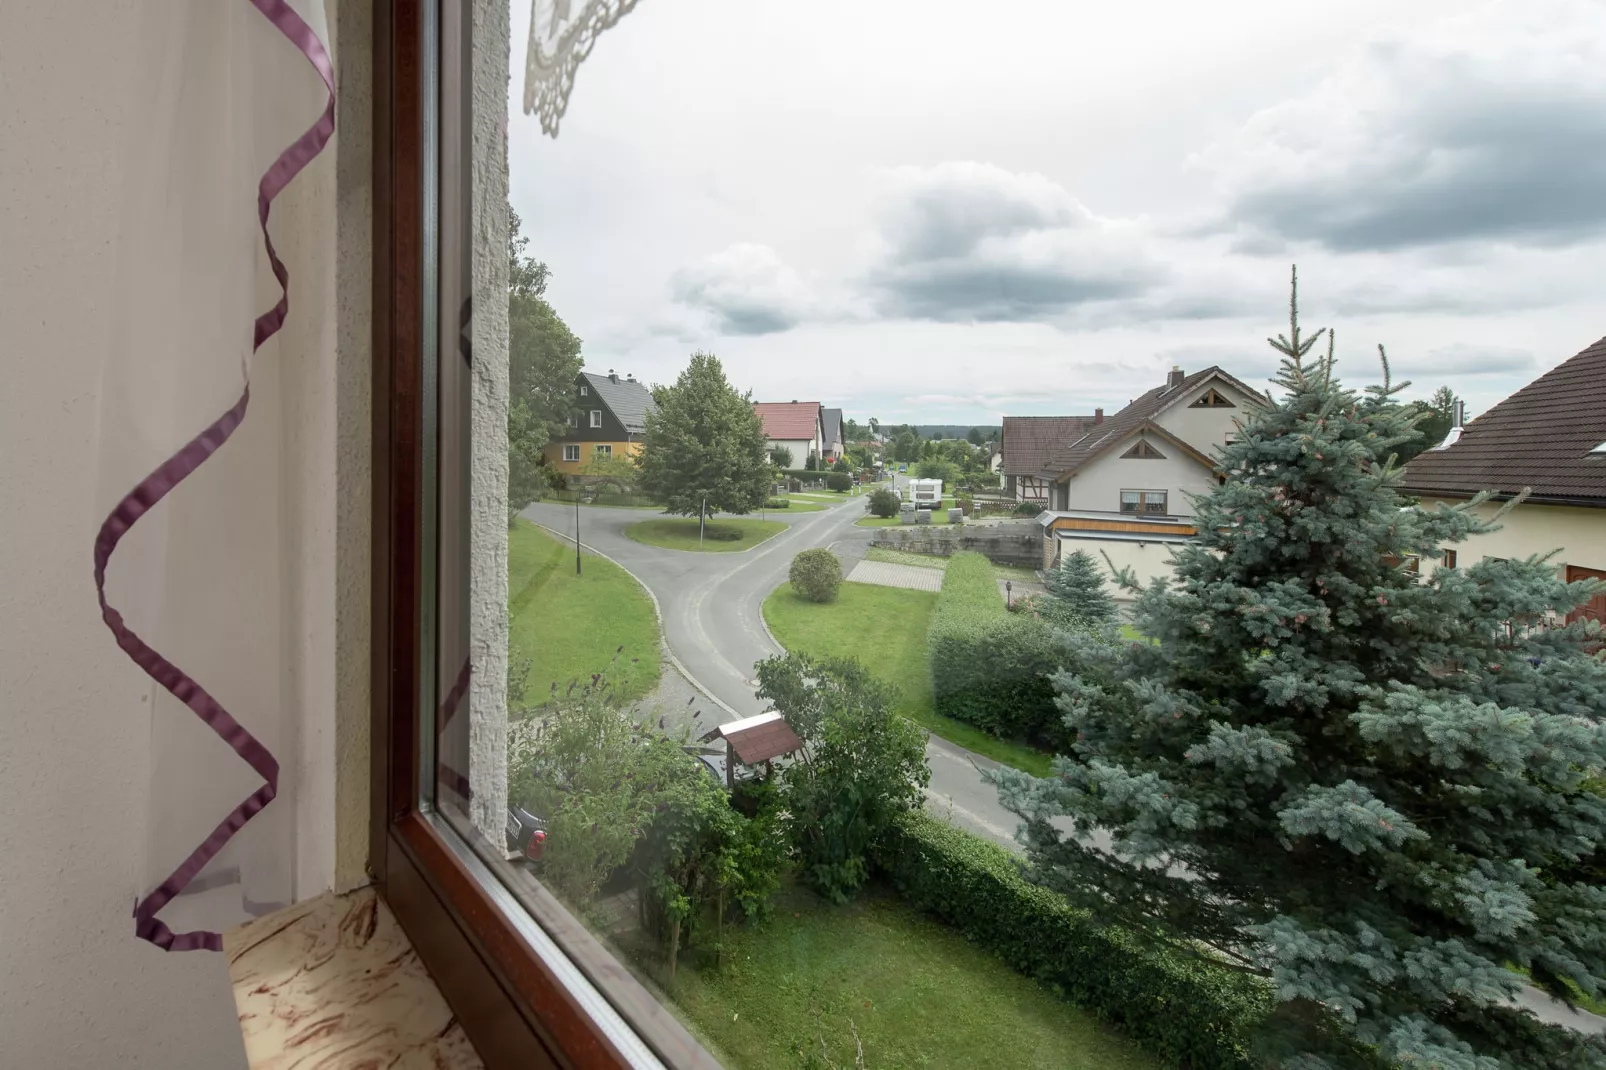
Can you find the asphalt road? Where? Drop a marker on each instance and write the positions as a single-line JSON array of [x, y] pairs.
[[710, 603]]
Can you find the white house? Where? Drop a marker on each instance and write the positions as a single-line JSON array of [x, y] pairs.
[[796, 426], [1120, 488]]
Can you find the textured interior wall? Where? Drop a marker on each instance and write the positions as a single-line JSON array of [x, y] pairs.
[[488, 480], [77, 990], [351, 29]]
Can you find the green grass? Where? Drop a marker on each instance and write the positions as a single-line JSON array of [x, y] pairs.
[[799, 505], [572, 626], [680, 533], [1018, 573], [885, 628], [918, 995]]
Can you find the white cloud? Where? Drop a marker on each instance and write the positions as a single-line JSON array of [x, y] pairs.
[[746, 288]]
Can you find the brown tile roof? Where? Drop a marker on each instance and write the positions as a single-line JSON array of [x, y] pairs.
[[794, 420], [761, 742], [1540, 437], [1073, 455], [1029, 441]]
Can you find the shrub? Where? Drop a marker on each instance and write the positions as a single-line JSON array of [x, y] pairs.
[[838, 481], [722, 534], [884, 502], [816, 575], [812, 464], [989, 667], [942, 470], [841, 465], [1189, 1011], [778, 503], [1028, 509], [781, 456]]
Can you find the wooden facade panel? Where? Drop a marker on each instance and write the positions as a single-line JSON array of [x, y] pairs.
[[1134, 526]]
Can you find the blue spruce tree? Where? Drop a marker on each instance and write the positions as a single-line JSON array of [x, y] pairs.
[[1375, 789]]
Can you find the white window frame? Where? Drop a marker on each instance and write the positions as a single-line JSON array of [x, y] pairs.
[[585, 391], [1141, 506], [596, 417], [603, 449], [571, 451]]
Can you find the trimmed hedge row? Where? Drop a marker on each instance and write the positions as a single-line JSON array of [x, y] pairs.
[[1187, 1011], [990, 667]]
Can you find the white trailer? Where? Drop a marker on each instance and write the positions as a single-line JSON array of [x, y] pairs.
[[923, 493]]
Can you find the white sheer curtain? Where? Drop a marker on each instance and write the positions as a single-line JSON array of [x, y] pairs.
[[227, 576]]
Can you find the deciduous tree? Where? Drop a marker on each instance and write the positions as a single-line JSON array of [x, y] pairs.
[[705, 444]]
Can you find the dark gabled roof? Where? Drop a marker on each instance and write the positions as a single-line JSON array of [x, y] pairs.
[[1543, 436], [832, 418], [1073, 455], [1029, 441], [629, 401]]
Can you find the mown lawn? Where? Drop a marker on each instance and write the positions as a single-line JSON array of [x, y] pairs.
[[680, 533], [794, 990], [1018, 573], [801, 505], [885, 628], [573, 626]]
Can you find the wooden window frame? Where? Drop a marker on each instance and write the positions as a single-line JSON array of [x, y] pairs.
[[1142, 503], [519, 1005]]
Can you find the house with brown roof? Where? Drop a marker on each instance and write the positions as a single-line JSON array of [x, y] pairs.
[[1025, 446], [796, 426], [1121, 489], [1549, 438]]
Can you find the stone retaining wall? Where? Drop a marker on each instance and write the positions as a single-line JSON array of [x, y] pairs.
[[1003, 544]]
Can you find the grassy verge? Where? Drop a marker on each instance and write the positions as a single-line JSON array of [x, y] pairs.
[[1018, 573], [573, 626], [798, 505], [885, 628], [794, 991], [680, 533]]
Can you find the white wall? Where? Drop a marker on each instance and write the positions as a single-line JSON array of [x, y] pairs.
[[1579, 535], [78, 989], [800, 447], [1146, 560], [1099, 485], [1206, 430]]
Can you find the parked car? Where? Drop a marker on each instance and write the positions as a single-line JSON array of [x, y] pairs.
[[526, 834], [903, 468]]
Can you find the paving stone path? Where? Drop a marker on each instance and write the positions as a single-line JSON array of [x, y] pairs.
[[884, 574]]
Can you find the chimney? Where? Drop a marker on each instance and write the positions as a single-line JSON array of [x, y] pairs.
[[1098, 416], [631, 377], [1458, 415], [612, 376], [1174, 380]]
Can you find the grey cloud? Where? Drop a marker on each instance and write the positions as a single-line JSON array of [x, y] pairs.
[[1465, 359], [1487, 129], [745, 289], [972, 242]]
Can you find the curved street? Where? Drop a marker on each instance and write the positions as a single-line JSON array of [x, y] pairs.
[[711, 609]]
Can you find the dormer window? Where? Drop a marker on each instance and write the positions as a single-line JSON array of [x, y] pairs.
[[1143, 452]]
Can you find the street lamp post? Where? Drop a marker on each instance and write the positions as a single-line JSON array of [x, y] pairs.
[[1009, 594], [577, 533]]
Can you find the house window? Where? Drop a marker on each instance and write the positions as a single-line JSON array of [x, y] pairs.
[[1211, 399], [1143, 452], [1143, 501], [596, 417], [603, 450], [1449, 559], [574, 419], [585, 391], [571, 452]]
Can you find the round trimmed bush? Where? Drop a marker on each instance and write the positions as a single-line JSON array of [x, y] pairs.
[[816, 575], [838, 481], [884, 503]]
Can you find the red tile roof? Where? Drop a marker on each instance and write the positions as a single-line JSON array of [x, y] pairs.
[[1543, 436], [789, 420], [1029, 441]]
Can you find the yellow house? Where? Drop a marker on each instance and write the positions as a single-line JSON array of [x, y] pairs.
[[1548, 438], [609, 419]]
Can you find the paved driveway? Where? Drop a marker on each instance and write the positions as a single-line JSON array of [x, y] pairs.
[[711, 613]]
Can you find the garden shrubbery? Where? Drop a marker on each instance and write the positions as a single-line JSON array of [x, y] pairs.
[[990, 667], [884, 503], [838, 481], [1189, 1011], [778, 503], [816, 575]]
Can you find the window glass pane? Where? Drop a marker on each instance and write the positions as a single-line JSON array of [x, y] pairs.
[[691, 504]]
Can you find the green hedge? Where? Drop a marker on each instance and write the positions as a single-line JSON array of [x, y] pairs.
[[1187, 1011], [778, 503], [990, 667]]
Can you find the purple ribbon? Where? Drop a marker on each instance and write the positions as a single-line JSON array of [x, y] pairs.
[[156, 486]]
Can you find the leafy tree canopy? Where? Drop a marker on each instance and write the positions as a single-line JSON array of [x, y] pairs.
[[705, 443]]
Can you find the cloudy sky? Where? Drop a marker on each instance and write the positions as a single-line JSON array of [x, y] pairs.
[[932, 211]]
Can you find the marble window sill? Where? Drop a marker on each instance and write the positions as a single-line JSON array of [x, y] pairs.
[[334, 984]]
